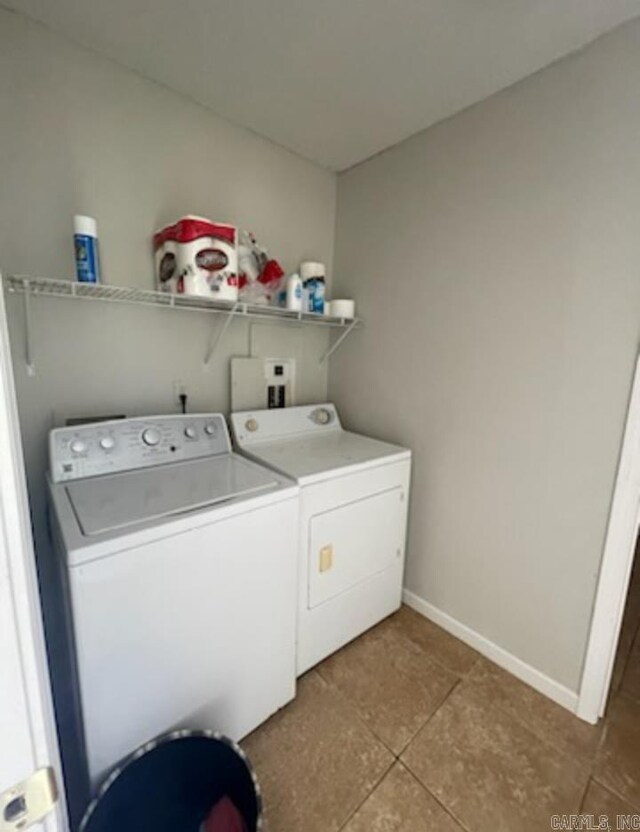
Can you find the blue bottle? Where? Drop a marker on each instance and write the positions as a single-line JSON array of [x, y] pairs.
[[85, 238]]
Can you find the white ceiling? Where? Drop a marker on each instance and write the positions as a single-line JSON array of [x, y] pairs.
[[333, 80]]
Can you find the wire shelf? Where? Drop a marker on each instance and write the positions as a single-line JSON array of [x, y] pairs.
[[30, 287], [47, 287]]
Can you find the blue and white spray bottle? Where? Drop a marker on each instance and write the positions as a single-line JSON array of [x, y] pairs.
[[85, 238]]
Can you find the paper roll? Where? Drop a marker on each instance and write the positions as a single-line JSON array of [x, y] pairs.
[[343, 308], [196, 256]]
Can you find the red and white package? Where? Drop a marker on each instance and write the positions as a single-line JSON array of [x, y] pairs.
[[196, 256]]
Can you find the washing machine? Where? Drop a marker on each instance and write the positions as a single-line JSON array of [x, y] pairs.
[[354, 494], [180, 562]]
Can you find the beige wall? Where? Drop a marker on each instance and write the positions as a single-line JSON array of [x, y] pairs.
[[496, 259], [78, 134]]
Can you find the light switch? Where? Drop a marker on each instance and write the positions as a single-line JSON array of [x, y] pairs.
[[326, 558]]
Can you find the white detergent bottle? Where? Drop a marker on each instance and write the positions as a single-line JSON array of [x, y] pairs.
[[294, 292]]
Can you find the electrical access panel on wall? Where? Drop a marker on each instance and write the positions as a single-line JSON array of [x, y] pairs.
[[260, 383]]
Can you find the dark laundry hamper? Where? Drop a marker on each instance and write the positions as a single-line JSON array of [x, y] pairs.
[[171, 783]]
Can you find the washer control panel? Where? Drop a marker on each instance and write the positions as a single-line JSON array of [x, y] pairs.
[[126, 444]]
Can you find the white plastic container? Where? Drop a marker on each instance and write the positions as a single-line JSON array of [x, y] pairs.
[[294, 292]]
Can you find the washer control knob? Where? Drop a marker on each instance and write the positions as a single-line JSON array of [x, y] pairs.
[[107, 443], [211, 429], [252, 425], [190, 433], [77, 446], [151, 437]]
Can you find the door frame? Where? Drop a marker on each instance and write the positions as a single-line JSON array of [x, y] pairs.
[[17, 560], [615, 569]]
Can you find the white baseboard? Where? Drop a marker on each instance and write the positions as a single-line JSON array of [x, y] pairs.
[[523, 671]]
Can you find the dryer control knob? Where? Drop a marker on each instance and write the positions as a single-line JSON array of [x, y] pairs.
[[190, 433], [151, 437], [107, 443], [251, 424], [210, 429], [321, 416], [77, 446]]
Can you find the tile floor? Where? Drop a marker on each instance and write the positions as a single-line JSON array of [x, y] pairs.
[[409, 730]]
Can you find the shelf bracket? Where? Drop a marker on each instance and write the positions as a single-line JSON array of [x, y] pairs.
[[338, 342], [216, 337], [28, 328]]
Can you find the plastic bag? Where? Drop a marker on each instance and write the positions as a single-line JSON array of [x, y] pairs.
[[262, 279]]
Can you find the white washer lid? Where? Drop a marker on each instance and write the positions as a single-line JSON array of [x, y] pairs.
[[106, 503], [312, 457]]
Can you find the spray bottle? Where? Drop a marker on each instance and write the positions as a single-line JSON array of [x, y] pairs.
[[85, 237]]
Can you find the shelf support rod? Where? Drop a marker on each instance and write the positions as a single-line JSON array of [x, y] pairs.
[[214, 341], [28, 328], [338, 342]]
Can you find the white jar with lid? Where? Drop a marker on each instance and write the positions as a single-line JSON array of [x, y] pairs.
[[310, 269]]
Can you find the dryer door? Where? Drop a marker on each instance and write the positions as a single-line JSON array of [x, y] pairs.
[[353, 542]]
